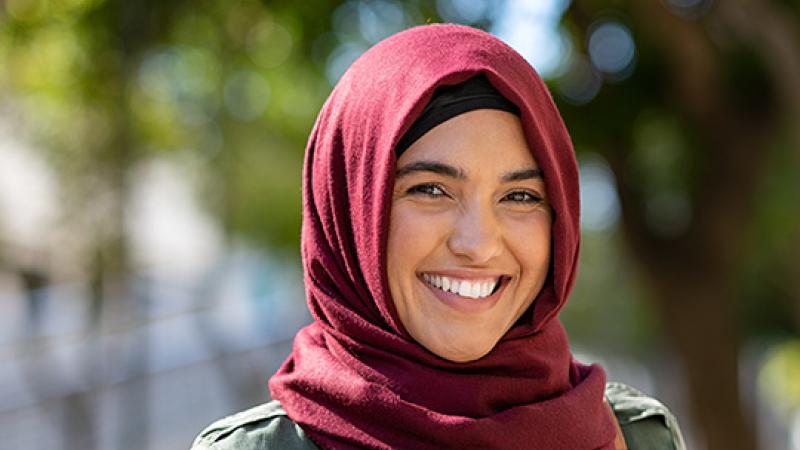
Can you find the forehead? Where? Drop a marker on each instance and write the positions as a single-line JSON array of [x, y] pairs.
[[482, 140]]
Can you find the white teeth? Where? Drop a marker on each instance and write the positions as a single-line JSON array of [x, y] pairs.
[[464, 288], [476, 290]]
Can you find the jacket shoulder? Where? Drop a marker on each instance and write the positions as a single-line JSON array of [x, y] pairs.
[[263, 427], [646, 422]]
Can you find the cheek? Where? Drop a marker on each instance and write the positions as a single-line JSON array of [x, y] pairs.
[[530, 243], [411, 242], [413, 237]]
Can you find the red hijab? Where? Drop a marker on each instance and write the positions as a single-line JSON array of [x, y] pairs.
[[355, 378]]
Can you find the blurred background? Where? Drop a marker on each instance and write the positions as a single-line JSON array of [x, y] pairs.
[[150, 159]]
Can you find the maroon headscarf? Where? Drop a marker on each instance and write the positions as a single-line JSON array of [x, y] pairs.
[[355, 378]]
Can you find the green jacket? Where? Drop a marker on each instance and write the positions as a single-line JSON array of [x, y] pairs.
[[645, 422]]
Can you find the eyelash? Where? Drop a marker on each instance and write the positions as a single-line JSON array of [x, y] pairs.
[[427, 188]]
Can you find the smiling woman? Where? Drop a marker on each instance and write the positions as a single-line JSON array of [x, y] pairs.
[[440, 241], [469, 234]]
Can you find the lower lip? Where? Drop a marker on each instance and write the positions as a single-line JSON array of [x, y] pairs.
[[467, 305]]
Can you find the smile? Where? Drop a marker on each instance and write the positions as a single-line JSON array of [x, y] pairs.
[[474, 289]]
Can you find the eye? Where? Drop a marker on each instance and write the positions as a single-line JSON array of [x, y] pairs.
[[523, 197], [428, 190]]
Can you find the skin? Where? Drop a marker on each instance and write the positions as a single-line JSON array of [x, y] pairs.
[[469, 202]]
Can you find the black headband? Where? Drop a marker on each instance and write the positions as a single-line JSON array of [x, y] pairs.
[[450, 101]]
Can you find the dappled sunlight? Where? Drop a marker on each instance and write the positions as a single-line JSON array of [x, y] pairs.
[[599, 202], [611, 49]]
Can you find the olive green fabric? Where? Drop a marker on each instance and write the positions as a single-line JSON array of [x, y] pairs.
[[646, 423], [265, 427]]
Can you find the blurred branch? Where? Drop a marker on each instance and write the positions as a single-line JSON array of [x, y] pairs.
[[775, 30], [693, 59], [770, 24], [732, 168]]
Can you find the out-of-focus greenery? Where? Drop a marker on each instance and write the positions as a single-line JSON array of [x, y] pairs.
[[695, 106], [102, 85]]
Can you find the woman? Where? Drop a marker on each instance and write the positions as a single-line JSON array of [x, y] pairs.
[[439, 242]]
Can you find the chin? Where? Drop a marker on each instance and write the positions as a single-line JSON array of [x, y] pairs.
[[462, 355]]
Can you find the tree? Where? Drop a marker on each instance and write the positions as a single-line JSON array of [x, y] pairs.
[[696, 134]]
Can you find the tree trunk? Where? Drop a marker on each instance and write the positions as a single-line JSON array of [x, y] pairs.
[[698, 317]]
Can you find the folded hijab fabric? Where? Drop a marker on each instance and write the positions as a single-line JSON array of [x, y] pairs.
[[355, 378]]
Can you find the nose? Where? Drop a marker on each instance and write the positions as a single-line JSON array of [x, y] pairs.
[[476, 235]]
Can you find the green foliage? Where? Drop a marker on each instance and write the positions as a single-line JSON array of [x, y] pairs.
[[767, 261], [780, 375]]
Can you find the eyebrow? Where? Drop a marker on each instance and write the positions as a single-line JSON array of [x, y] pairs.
[[430, 166], [524, 174], [454, 172]]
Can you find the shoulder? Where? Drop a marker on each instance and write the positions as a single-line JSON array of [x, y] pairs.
[[263, 427], [646, 422]]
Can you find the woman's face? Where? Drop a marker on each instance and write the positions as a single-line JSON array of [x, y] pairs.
[[469, 234]]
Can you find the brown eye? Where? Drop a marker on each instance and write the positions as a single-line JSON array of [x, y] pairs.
[[523, 197], [428, 190]]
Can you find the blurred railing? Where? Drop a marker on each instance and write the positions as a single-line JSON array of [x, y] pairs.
[[151, 375]]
